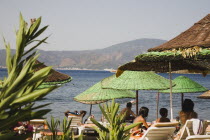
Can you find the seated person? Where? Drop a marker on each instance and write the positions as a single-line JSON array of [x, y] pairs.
[[129, 114], [67, 113], [28, 126], [164, 114], [143, 113], [187, 111], [82, 113], [185, 114]]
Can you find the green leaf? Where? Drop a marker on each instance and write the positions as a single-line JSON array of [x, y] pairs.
[[39, 32], [33, 96], [99, 125], [13, 120], [39, 43], [39, 113], [42, 73], [127, 128], [34, 27], [5, 102], [41, 106]]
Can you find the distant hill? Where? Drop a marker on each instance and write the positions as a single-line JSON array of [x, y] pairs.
[[110, 57]]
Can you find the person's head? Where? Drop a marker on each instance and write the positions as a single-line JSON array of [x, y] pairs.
[[83, 113], [66, 113], [163, 112], [188, 105], [129, 105], [143, 111]]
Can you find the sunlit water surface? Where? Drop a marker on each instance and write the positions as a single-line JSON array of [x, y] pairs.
[[62, 98]]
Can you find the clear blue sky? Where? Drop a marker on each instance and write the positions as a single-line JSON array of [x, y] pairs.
[[96, 24]]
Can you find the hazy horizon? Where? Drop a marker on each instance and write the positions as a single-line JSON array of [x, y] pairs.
[[86, 25]]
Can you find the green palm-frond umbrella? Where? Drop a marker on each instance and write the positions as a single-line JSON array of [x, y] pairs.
[[96, 95], [136, 80], [185, 85]]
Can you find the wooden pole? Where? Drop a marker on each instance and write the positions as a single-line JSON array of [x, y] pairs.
[[137, 102], [182, 98], [90, 109], [157, 107], [171, 96]]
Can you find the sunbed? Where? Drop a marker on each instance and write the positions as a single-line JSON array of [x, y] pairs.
[[160, 131], [76, 121]]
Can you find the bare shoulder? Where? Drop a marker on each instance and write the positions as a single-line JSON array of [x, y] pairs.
[[138, 119]]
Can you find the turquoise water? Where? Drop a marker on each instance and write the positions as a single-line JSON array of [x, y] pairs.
[[62, 98]]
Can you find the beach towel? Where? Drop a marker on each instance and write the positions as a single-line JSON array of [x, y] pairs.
[[197, 126]]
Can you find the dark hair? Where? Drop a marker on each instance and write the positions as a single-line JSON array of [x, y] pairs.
[[129, 104], [66, 113], [83, 112], [143, 111], [163, 112], [188, 105]]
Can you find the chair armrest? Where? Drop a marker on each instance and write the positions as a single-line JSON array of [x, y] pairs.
[[197, 137]]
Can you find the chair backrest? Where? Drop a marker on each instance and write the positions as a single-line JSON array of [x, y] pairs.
[[158, 133], [205, 125], [166, 124], [75, 120], [187, 129], [39, 123]]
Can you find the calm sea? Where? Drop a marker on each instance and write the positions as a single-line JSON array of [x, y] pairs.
[[62, 98]]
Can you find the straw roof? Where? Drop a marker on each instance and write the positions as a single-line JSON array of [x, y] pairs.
[[136, 80], [185, 85], [96, 94], [163, 66], [55, 77], [205, 95], [159, 62], [197, 36], [172, 56]]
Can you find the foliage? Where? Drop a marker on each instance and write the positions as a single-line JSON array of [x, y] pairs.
[[116, 129], [65, 127], [19, 89]]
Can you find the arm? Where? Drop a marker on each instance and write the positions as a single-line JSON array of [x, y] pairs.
[[145, 123], [133, 113], [123, 111]]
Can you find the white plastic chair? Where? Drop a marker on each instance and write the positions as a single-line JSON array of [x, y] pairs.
[[188, 133]]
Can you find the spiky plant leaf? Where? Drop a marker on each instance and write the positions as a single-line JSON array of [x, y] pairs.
[[19, 91]]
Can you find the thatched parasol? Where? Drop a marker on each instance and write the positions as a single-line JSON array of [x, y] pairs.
[[54, 78], [205, 95], [196, 37], [188, 44], [136, 80], [165, 62], [96, 95]]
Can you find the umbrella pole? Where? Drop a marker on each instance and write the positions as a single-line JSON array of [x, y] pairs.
[[171, 98], [157, 104], [137, 103], [90, 109], [182, 98]]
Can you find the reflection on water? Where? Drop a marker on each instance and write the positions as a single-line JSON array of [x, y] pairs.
[[62, 98]]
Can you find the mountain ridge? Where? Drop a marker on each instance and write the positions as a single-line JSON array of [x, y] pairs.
[[109, 57]]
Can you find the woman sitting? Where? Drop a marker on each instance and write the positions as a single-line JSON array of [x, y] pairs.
[[187, 111], [185, 114], [143, 113]]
